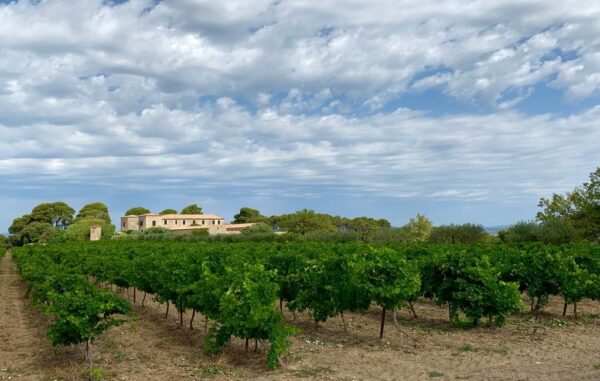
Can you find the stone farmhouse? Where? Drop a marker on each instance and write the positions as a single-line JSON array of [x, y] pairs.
[[181, 223]]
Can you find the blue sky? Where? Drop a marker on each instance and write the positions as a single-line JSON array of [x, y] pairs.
[[463, 111]]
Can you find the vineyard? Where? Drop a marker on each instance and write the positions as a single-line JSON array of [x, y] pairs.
[[241, 290]]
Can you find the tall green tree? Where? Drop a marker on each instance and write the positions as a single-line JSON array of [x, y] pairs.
[[305, 221], [168, 211], [192, 209], [96, 210], [58, 214], [581, 208], [137, 210], [248, 215]]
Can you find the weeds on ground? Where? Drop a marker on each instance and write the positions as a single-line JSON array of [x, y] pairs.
[[312, 372], [468, 348]]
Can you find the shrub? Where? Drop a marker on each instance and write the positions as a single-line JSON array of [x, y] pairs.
[[465, 233]]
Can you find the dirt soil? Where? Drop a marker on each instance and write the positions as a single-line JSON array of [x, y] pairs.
[[151, 347]]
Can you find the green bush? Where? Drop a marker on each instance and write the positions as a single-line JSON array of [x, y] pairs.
[[556, 231], [465, 233]]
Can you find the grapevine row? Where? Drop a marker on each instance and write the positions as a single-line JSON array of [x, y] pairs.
[[237, 285]]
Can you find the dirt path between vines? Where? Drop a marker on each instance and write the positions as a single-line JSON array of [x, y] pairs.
[[21, 343]]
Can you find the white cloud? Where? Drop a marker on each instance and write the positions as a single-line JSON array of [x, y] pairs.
[[501, 155], [275, 96], [360, 50]]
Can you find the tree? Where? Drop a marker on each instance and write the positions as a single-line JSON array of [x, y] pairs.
[[19, 224], [418, 228], [95, 210], [36, 232], [248, 215], [365, 227], [305, 221], [168, 211], [43, 223], [581, 208], [137, 211], [192, 209], [59, 214]]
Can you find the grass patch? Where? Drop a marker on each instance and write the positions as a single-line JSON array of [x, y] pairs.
[[96, 374], [597, 367], [463, 324], [590, 315], [312, 372], [435, 374], [468, 348], [209, 371]]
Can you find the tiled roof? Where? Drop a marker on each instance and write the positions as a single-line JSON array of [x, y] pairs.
[[191, 217], [180, 216]]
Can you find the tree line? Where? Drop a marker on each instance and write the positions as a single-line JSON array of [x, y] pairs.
[[572, 217], [56, 222]]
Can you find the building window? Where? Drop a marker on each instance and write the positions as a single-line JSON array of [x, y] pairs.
[[123, 224], [165, 221], [184, 222], [175, 222], [153, 223], [141, 223]]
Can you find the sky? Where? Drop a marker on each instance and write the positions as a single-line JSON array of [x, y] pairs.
[[465, 111]]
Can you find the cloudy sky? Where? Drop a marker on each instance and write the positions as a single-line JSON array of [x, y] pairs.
[[467, 111]]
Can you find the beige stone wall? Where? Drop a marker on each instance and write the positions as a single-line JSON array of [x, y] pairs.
[[129, 223], [150, 221], [95, 233]]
